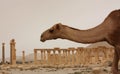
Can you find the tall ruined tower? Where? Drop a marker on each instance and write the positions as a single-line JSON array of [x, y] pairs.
[[12, 52]]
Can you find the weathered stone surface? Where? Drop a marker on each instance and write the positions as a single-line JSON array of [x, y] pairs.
[[72, 57], [12, 52]]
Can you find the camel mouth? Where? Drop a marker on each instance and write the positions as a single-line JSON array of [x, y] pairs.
[[54, 38], [42, 40]]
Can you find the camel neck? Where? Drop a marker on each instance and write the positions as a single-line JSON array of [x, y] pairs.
[[84, 36]]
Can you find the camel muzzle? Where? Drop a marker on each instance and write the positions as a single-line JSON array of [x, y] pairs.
[[42, 40]]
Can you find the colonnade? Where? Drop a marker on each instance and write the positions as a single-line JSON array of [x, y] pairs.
[[72, 56]]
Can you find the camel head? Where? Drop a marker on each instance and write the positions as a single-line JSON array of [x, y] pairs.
[[52, 33]]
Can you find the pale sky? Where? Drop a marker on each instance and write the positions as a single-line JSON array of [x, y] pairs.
[[25, 20]]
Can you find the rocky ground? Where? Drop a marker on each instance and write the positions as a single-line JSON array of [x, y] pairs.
[[30, 69], [35, 69]]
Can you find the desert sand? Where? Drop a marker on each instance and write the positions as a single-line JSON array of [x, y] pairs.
[[32, 69]]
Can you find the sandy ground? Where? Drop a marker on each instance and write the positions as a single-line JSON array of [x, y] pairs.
[[40, 70]]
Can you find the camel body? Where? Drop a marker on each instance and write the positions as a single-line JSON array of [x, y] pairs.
[[108, 30]]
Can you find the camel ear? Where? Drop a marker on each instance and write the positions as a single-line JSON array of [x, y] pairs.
[[58, 26]]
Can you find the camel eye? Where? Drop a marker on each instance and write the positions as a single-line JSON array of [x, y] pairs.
[[51, 31]]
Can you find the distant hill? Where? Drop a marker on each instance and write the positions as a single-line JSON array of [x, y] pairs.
[[95, 45]]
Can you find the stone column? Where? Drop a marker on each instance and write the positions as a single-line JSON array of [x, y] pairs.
[[63, 59], [77, 56], [3, 53], [59, 57], [69, 58], [90, 59], [83, 56], [23, 57], [53, 59], [94, 56], [44, 56], [88, 56], [80, 56], [97, 55], [73, 57], [35, 56], [48, 57], [111, 53], [66, 57], [75, 60], [12, 52]]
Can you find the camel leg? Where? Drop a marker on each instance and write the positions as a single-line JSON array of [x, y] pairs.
[[115, 62]]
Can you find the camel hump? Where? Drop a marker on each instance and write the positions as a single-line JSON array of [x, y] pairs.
[[115, 13]]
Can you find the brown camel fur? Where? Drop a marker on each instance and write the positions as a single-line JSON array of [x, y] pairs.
[[108, 30]]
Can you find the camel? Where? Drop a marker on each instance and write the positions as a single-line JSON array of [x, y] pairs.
[[108, 30]]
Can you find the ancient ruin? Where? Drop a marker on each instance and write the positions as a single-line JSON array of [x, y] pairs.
[[3, 53], [72, 57], [12, 52], [69, 57], [23, 57]]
